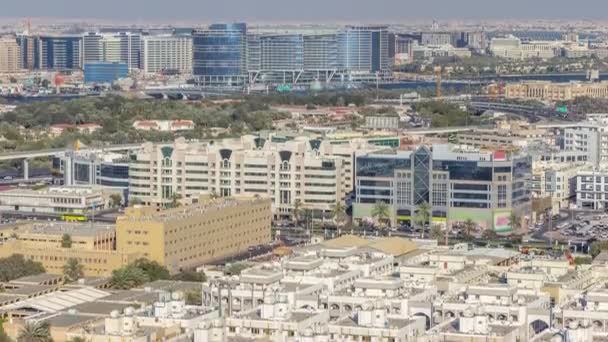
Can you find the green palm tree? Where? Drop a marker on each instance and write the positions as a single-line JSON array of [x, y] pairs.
[[73, 269], [66, 241], [469, 227], [381, 212], [514, 221], [422, 217], [175, 197], [297, 210], [339, 212], [35, 332]]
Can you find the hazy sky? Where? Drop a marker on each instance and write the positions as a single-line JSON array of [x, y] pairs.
[[304, 10]]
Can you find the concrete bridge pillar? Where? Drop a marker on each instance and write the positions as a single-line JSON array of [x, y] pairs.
[[26, 169]]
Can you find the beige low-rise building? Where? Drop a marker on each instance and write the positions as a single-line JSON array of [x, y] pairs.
[[190, 236], [549, 91], [93, 245]]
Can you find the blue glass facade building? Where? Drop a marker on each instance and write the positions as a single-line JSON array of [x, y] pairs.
[[364, 49], [105, 72], [220, 54], [458, 185], [60, 52]]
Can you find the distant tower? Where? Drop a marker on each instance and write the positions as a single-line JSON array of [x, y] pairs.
[[435, 26]]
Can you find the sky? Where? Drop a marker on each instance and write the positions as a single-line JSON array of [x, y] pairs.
[[327, 11]]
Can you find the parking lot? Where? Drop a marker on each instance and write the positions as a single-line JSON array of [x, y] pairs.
[[580, 227]]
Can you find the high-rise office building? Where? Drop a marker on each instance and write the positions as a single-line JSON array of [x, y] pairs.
[[10, 55], [321, 52], [459, 183], [171, 54], [30, 51], [220, 54], [282, 52], [364, 50], [130, 49], [124, 47], [60, 52]]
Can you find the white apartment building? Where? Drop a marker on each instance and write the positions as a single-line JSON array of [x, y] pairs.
[[557, 181], [592, 189], [313, 173], [167, 53], [511, 47], [56, 200]]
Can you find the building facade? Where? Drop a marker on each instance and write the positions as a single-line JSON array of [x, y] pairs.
[[123, 47], [363, 51], [60, 52], [167, 54], [458, 183], [10, 55], [105, 72], [549, 91], [56, 200], [309, 173], [220, 54], [190, 236]]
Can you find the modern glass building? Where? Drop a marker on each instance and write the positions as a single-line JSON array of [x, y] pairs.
[[30, 51], [122, 47], [220, 54], [109, 170], [459, 184], [60, 52], [105, 72], [364, 50], [321, 55], [282, 52]]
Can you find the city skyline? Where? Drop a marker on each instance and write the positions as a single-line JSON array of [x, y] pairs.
[[282, 11]]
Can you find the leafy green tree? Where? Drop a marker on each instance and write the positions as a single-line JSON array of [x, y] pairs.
[[436, 232], [135, 201], [191, 276], [582, 261], [66, 241], [128, 277], [235, 269], [515, 221], [597, 247], [194, 297], [175, 200], [73, 269], [16, 266], [381, 212], [152, 269], [35, 332], [422, 217], [115, 200]]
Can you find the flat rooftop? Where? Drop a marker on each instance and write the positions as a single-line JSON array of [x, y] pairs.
[[59, 228], [196, 209]]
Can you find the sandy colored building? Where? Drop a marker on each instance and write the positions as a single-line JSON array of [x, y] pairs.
[[545, 90], [190, 236], [10, 56], [92, 244]]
